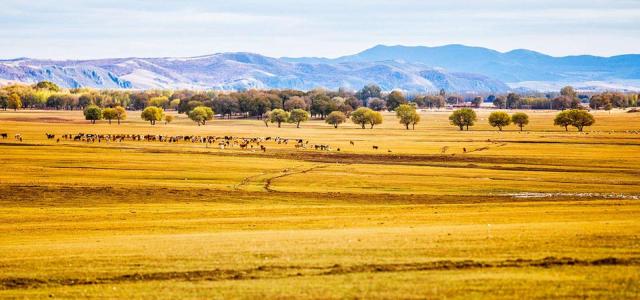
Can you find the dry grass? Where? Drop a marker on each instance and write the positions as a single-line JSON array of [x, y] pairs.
[[154, 220]]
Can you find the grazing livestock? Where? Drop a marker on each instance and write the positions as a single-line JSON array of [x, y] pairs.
[[375, 147], [352, 143], [223, 142], [4, 135], [50, 136], [18, 137]]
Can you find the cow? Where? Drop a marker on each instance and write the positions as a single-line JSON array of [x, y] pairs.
[[50, 136], [4, 135], [375, 147]]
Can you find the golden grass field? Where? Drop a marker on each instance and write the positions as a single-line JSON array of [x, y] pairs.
[[539, 214]]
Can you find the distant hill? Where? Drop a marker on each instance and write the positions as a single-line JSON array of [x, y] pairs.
[[455, 68], [513, 66]]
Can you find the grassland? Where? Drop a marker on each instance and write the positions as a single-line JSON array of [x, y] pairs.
[[418, 218]]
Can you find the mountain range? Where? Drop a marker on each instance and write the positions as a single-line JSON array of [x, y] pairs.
[[455, 68]]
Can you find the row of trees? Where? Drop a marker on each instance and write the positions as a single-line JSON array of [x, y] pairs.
[[466, 117], [406, 114], [319, 102]]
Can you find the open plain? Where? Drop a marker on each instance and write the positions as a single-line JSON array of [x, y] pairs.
[[433, 212]]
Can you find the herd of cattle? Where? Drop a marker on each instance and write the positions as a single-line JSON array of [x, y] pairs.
[[222, 142]]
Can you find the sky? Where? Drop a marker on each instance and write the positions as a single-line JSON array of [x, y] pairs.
[[74, 29]]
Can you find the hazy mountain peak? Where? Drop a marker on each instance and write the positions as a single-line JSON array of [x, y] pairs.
[[453, 67]]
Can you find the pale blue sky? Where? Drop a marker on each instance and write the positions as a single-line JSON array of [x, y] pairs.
[[330, 28]]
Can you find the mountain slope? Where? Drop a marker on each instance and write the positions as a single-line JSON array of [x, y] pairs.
[[455, 68], [514, 66], [233, 71]]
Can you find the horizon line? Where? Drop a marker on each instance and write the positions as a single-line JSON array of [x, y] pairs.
[[315, 57]]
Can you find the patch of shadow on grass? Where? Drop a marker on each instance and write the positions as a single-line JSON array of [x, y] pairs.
[[263, 272]]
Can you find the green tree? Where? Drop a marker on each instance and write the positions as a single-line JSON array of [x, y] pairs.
[[395, 99], [278, 116], [92, 113], [369, 91], [152, 114], [499, 119], [336, 118], [121, 113], [407, 115], [562, 119], [477, 102], [500, 102], [4, 99], [377, 104], [201, 115], [298, 115], [464, 117], [580, 118], [109, 114], [520, 119], [513, 101], [568, 91]]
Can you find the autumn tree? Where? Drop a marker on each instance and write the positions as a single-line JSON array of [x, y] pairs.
[[14, 101], [462, 118], [336, 118], [580, 118], [48, 85], [295, 102], [152, 114], [562, 119], [407, 115], [297, 116], [201, 115], [278, 116], [499, 119], [373, 118], [109, 114], [520, 119], [121, 113], [359, 116]]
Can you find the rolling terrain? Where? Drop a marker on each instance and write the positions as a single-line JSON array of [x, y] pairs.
[[539, 214]]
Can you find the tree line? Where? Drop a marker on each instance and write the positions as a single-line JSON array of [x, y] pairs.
[[318, 102], [466, 117]]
